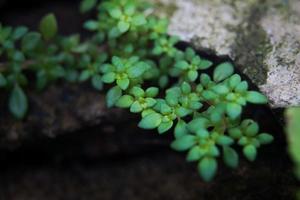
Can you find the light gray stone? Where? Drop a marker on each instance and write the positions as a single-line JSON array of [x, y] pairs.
[[262, 37]]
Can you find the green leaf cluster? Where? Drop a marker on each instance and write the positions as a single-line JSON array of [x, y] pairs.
[[292, 116], [130, 51], [49, 57], [188, 64]]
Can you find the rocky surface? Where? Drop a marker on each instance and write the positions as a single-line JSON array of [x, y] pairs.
[[262, 37], [62, 109]]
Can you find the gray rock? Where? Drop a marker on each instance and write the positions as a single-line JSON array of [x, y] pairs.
[[262, 37]]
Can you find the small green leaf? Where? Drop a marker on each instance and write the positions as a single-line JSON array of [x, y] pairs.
[[252, 129], [209, 95], [139, 20], [135, 71], [230, 157], [224, 140], [198, 123], [246, 122], [151, 121], [292, 116], [3, 80], [183, 143], [163, 81], [147, 112], [18, 56], [195, 154], [87, 5], [173, 94], [205, 64], [182, 112], [115, 13], [123, 83], [234, 80], [216, 116], [137, 91], [192, 75], [233, 110], [152, 92], [116, 61], [250, 152], [190, 53], [242, 87], [213, 151], [207, 168], [220, 89], [91, 25], [150, 102], [165, 108], [114, 33], [97, 82], [30, 41], [157, 50], [48, 26], [186, 88], [243, 141], [241, 100], [136, 107], [41, 81], [235, 133], [123, 26], [182, 65], [223, 71], [164, 127], [109, 77], [129, 9], [18, 103], [85, 75], [205, 79], [256, 97], [196, 60], [180, 129], [202, 133], [265, 138], [113, 95], [125, 101], [19, 32]]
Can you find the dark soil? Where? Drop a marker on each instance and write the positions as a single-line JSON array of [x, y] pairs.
[[116, 160]]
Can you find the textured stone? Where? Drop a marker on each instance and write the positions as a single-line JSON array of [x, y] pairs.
[[262, 37]]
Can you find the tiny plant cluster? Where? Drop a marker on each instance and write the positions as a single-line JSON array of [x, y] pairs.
[[131, 51]]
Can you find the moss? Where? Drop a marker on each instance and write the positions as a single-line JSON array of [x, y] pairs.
[[252, 46]]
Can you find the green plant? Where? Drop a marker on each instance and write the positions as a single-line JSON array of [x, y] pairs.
[[293, 133], [292, 116], [131, 50]]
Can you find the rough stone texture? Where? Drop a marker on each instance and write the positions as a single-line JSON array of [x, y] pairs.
[[62, 109], [283, 81], [262, 37]]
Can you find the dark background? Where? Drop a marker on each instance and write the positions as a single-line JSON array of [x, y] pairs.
[[116, 160]]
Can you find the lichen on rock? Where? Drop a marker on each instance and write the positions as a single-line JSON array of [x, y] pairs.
[[262, 37], [283, 62]]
